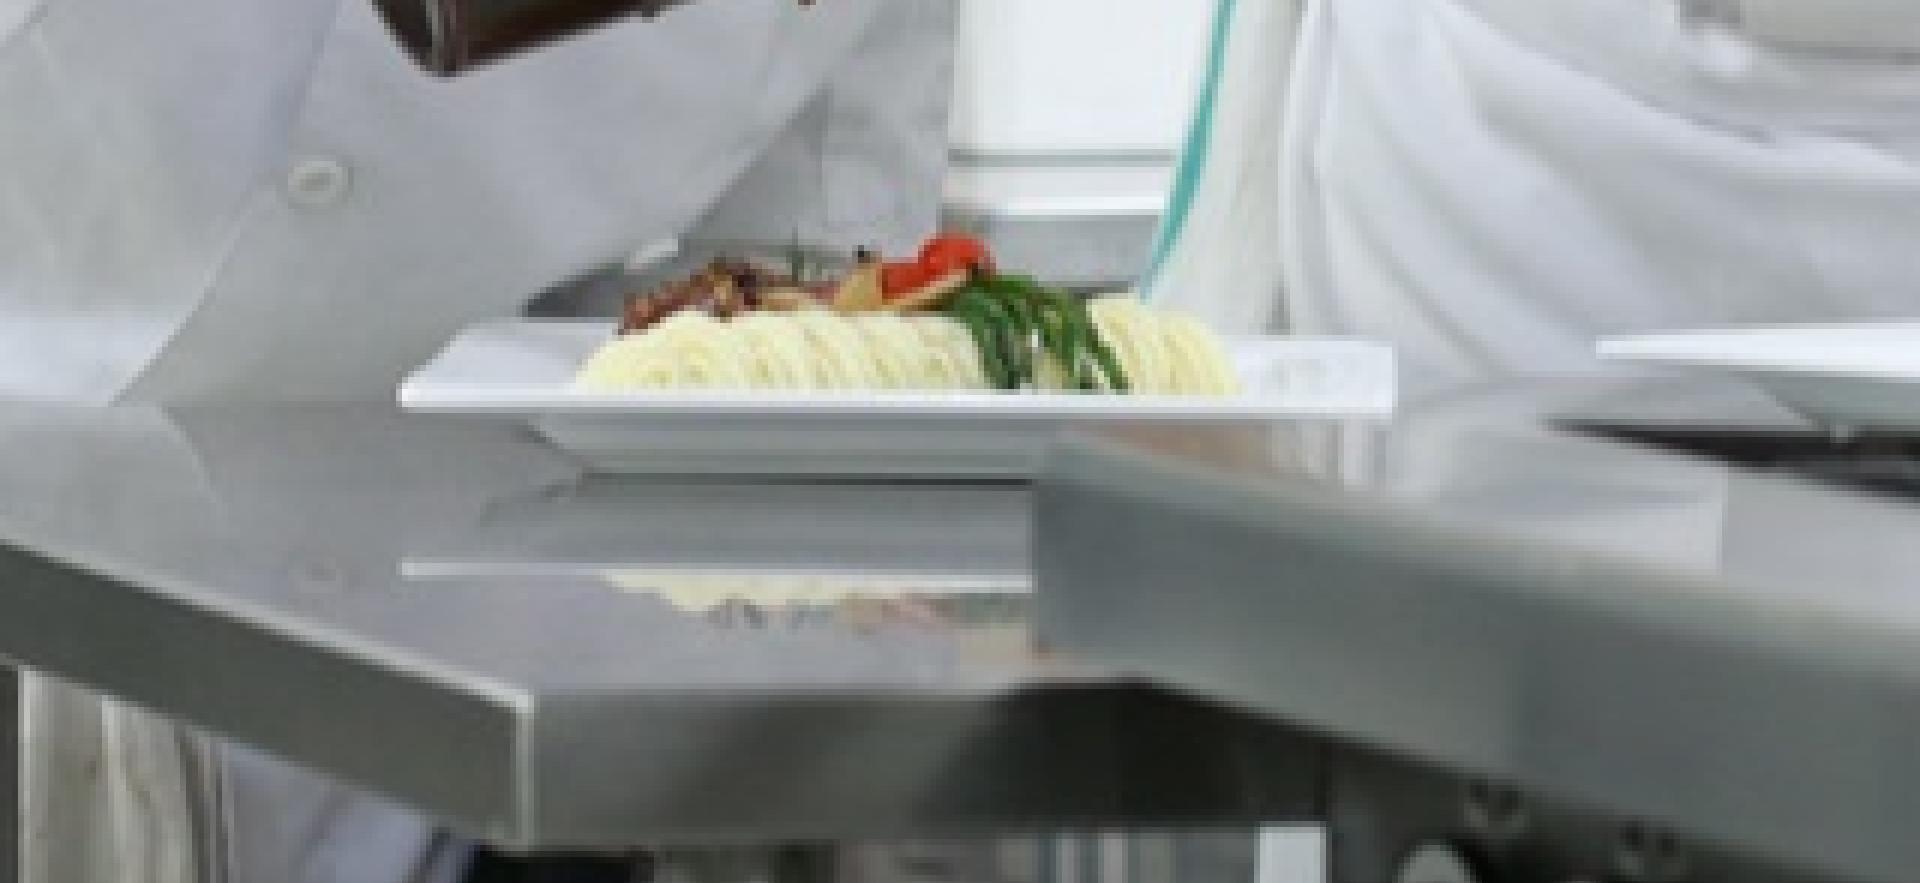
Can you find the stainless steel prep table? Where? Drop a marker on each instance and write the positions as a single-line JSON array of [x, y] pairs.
[[1668, 639], [447, 613]]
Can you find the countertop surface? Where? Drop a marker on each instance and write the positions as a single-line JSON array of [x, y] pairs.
[[1664, 598], [447, 612]]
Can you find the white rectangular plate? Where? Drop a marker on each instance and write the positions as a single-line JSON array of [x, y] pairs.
[[1861, 376], [525, 368]]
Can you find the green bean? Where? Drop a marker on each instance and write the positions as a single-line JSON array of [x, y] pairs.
[[1016, 350], [1016, 285], [1102, 354], [1108, 362], [1051, 340], [1064, 341], [985, 339], [1009, 339], [1005, 314], [1025, 318], [1059, 308]]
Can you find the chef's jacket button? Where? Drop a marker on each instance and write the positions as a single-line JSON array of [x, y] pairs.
[[317, 181]]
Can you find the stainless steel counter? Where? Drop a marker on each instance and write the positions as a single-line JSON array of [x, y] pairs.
[[1728, 651], [449, 614]]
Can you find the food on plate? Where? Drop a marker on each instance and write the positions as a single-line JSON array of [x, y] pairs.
[[821, 350], [808, 350], [946, 321], [725, 288], [899, 277], [948, 252], [860, 291], [1163, 352]]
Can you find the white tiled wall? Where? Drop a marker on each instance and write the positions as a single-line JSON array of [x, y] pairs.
[[1067, 119], [1077, 75]]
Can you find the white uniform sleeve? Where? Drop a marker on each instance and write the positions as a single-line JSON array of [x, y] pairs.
[[14, 15], [404, 207], [1217, 255], [125, 172]]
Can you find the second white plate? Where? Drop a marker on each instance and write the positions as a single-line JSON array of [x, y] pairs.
[[1858, 376]]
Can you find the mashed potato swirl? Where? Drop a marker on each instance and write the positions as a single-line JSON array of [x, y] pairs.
[[1161, 352]]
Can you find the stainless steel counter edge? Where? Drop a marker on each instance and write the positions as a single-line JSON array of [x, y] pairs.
[[63, 615], [550, 769], [826, 767], [1634, 688]]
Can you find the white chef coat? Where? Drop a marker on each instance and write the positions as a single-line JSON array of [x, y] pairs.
[[227, 199], [1491, 184], [298, 212]]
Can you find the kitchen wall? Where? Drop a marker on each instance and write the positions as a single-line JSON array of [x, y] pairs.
[[1076, 75], [1067, 119]]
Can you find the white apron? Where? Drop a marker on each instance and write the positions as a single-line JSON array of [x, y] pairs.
[[245, 200], [1491, 184]]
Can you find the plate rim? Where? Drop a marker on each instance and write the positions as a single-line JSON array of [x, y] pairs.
[[550, 400], [1672, 348]]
